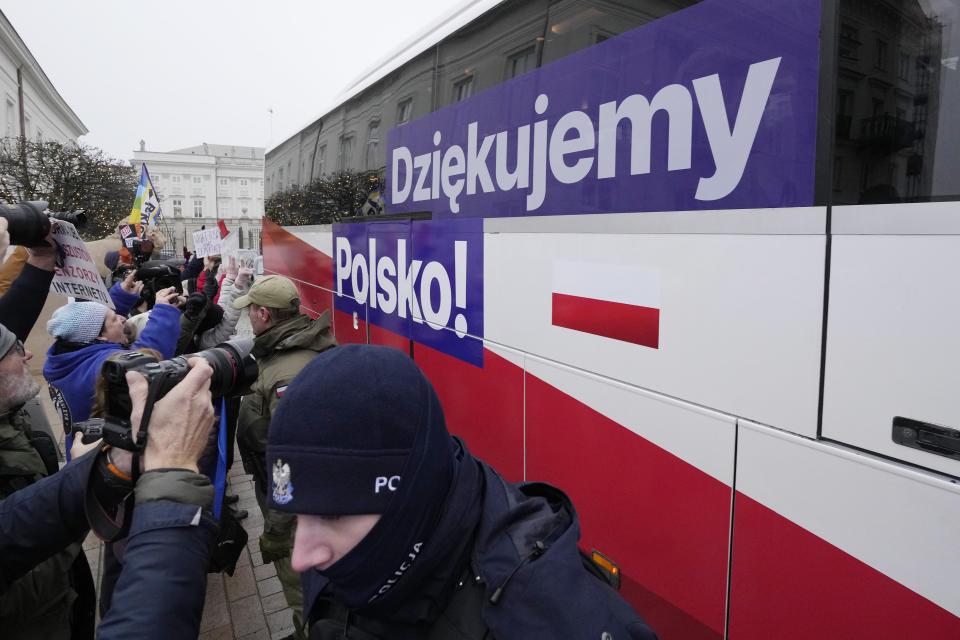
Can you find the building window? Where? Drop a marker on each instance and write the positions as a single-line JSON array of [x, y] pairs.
[[243, 182], [223, 182], [225, 209], [463, 89], [196, 179], [346, 153], [175, 179], [280, 180], [904, 66], [320, 160], [881, 55], [10, 113], [404, 111], [521, 62], [198, 208], [849, 42], [372, 160], [177, 208]]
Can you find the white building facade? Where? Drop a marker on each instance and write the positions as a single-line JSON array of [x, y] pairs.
[[199, 186], [29, 104]]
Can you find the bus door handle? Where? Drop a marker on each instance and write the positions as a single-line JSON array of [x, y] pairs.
[[926, 436]]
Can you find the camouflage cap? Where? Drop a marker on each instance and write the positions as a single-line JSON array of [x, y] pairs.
[[271, 291]]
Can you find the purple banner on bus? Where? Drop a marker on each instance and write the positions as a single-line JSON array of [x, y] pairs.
[[421, 280], [711, 107]]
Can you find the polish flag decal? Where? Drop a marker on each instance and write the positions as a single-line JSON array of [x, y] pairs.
[[613, 301]]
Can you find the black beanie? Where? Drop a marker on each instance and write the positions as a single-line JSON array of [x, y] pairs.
[[344, 429]]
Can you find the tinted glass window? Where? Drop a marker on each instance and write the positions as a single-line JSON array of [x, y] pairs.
[[897, 96]]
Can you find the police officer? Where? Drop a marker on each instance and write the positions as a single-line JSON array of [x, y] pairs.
[[401, 533]]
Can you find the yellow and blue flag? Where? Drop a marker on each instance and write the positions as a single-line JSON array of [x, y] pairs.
[[146, 206]]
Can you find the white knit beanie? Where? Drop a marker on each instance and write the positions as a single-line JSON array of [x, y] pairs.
[[77, 321]]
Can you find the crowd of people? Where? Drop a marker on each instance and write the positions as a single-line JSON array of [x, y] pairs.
[[381, 525]]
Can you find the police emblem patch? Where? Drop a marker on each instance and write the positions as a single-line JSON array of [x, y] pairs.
[[282, 488]]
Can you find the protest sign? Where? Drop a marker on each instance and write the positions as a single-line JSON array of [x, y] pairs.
[[75, 274], [206, 242], [247, 257], [229, 246]]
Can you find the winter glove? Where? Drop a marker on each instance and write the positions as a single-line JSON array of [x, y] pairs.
[[194, 305], [211, 286], [230, 267], [243, 278]]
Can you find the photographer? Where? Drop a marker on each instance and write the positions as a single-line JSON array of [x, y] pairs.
[[87, 333], [55, 599], [160, 592]]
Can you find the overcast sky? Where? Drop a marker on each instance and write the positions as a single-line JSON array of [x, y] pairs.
[[177, 73]]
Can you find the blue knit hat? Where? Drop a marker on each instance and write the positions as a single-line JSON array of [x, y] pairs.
[[110, 259], [77, 321], [343, 434]]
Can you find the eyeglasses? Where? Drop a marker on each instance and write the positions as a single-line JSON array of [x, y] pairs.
[[17, 348]]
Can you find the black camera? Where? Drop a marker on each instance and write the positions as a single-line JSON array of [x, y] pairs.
[[28, 225], [234, 370], [156, 275]]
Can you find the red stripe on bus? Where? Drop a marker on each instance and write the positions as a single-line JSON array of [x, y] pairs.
[[615, 320], [788, 583]]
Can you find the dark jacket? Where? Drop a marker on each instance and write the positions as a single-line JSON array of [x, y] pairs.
[[160, 592], [20, 306], [523, 577], [55, 598]]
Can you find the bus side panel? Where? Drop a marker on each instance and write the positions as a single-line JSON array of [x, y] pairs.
[[349, 329], [292, 256], [482, 406], [732, 321], [892, 339], [389, 339], [663, 520], [829, 543], [314, 300]]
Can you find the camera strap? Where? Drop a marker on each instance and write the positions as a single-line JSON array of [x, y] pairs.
[[220, 477]]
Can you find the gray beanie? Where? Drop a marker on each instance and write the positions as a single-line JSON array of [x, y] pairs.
[[77, 321], [6, 340]]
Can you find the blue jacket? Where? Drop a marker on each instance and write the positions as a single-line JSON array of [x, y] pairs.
[[160, 592], [72, 374]]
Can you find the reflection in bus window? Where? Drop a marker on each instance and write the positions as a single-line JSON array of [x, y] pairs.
[[897, 94]]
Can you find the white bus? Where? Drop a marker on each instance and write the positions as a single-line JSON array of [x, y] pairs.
[[696, 263]]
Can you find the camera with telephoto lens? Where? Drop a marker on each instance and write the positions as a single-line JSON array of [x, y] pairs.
[[234, 370], [28, 225]]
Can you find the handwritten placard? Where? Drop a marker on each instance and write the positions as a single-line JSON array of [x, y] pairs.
[[207, 242], [75, 274]]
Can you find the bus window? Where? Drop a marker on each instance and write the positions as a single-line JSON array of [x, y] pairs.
[[897, 93]]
